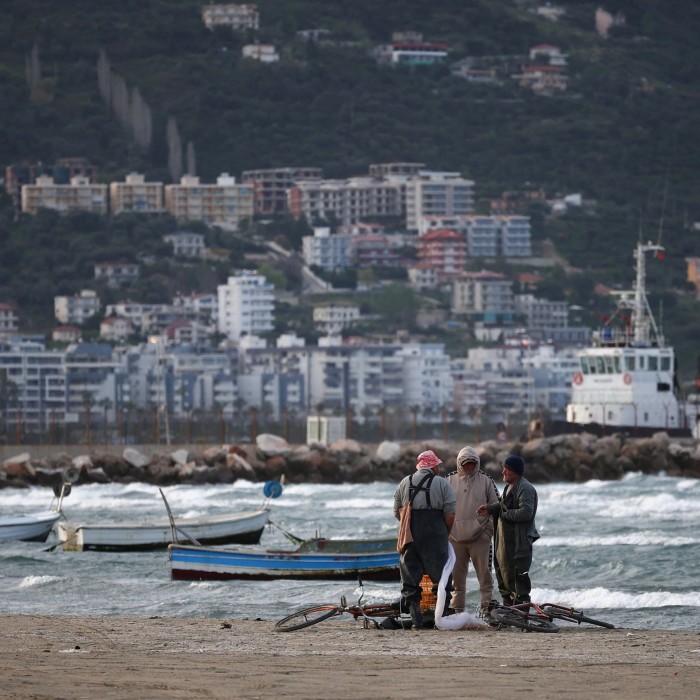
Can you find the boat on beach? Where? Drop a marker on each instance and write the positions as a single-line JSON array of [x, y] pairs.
[[372, 559], [627, 379], [30, 527]]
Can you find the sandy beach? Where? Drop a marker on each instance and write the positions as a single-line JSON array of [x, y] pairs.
[[173, 657]]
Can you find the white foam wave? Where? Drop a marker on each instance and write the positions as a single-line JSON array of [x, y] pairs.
[[32, 581], [648, 538], [603, 598]]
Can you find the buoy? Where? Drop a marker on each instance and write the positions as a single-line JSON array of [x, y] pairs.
[[272, 489]]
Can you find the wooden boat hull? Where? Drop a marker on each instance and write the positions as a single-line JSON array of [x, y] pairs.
[[29, 528], [189, 563], [238, 528]]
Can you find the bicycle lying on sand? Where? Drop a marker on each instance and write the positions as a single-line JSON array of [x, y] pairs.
[[539, 618], [319, 613]]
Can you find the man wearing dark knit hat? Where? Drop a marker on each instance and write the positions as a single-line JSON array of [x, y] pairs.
[[515, 532]]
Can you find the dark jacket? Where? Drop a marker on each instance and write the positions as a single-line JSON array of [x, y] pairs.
[[521, 517]]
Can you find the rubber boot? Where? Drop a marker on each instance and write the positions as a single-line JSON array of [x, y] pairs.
[[416, 615]]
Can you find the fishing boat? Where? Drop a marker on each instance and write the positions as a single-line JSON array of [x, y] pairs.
[[627, 381], [30, 527], [332, 559], [244, 527]]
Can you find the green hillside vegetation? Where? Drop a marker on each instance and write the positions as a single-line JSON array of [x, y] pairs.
[[624, 134]]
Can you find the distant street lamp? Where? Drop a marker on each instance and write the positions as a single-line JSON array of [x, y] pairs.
[[161, 393]]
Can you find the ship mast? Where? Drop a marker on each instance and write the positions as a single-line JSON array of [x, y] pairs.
[[642, 318]]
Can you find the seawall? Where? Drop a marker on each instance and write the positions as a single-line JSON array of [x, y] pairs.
[[573, 458]]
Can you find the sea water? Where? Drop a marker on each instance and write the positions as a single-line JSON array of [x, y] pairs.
[[626, 551]]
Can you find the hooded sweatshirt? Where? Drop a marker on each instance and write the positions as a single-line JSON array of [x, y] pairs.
[[471, 492]]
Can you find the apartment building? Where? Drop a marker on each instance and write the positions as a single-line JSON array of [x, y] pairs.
[[432, 193], [8, 318], [542, 314], [245, 305], [80, 195], [76, 309], [224, 203], [233, 15], [116, 273], [136, 195], [265, 53], [115, 329], [346, 202], [331, 251], [270, 186], [50, 387], [484, 296], [186, 244], [509, 236], [374, 251], [332, 319], [444, 251]]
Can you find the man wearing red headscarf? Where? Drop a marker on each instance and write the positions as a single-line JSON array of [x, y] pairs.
[[433, 506]]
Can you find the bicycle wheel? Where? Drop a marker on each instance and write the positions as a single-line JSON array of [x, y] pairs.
[[575, 616], [308, 617], [511, 618]]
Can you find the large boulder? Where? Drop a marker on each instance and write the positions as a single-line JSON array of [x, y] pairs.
[[271, 445], [135, 458], [388, 452]]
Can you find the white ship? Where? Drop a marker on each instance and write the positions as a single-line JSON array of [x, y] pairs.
[[627, 379]]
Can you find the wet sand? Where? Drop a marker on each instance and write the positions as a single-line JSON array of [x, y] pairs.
[[170, 657]]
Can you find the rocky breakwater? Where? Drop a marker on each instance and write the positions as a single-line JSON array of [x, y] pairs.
[[559, 458]]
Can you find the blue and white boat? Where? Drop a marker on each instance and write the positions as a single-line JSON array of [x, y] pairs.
[[348, 560]]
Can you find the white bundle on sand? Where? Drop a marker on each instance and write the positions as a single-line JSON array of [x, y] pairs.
[[458, 621]]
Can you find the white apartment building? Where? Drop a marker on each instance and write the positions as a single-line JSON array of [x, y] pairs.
[[333, 318], [115, 329], [186, 244], [485, 296], [246, 305], [331, 251], [76, 309], [80, 194], [488, 236], [224, 203], [347, 201], [427, 379], [116, 273], [542, 313], [433, 193], [136, 195], [231, 15], [265, 53]]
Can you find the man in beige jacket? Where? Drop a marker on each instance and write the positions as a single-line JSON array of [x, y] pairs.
[[471, 534]]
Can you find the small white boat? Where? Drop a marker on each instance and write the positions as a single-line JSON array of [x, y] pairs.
[[234, 528], [30, 527]]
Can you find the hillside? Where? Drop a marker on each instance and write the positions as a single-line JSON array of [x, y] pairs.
[[624, 134]]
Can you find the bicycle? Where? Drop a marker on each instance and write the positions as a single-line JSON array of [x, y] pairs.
[[539, 618], [527, 616], [312, 616], [560, 612]]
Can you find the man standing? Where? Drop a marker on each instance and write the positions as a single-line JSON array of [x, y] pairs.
[[432, 503], [515, 532], [471, 534]]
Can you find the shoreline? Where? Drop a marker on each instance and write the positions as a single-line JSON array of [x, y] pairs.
[[180, 657]]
